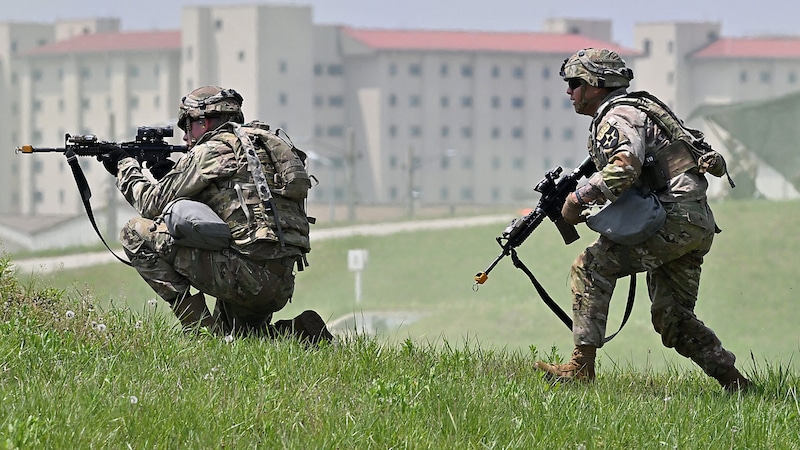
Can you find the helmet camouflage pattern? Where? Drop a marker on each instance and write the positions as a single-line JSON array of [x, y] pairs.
[[597, 67], [209, 101]]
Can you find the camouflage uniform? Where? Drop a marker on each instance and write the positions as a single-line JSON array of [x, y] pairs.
[[627, 130], [671, 258], [251, 280]]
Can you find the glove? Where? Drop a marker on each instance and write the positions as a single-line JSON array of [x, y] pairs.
[[572, 209], [161, 168], [713, 163], [111, 159]]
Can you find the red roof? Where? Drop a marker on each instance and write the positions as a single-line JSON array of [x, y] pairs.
[[517, 42], [762, 47], [113, 42]]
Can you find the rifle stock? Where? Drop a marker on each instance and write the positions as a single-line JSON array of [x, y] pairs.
[[554, 189]]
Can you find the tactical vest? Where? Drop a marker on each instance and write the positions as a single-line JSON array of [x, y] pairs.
[[685, 147], [236, 199]]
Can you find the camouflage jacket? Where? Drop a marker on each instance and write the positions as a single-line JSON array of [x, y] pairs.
[[625, 128], [208, 173]]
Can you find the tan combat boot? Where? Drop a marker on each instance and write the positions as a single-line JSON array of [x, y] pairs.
[[734, 381], [191, 311], [580, 367]]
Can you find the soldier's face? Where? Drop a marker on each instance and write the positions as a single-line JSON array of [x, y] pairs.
[[585, 98], [196, 129]]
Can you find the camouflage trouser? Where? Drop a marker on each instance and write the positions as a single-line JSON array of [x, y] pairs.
[[672, 260], [247, 291]]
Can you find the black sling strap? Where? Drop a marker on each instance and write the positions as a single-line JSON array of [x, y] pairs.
[[86, 194], [560, 312]]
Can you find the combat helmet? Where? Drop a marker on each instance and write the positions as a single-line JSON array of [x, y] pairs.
[[209, 101], [597, 67]]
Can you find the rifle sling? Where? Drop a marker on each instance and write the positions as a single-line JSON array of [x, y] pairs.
[[560, 312], [86, 194]]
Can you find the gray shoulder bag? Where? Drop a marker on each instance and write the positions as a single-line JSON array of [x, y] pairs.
[[631, 219], [195, 224]]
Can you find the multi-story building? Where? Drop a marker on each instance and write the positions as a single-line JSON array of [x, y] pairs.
[[387, 116]]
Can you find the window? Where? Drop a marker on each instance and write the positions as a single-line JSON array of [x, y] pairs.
[[466, 162], [393, 162], [519, 72], [670, 47], [546, 102], [392, 130], [36, 75], [86, 73], [546, 133], [336, 101], [443, 70], [519, 163], [445, 131], [646, 44], [670, 77], [792, 78], [283, 99], [335, 70], [466, 193], [392, 100], [241, 55], [495, 193], [318, 69], [318, 101], [133, 102], [133, 71], [392, 69], [466, 71], [335, 131], [495, 102], [218, 24], [517, 132], [765, 77], [415, 70], [283, 67], [445, 102], [743, 76], [495, 72], [495, 132], [414, 101], [466, 102], [518, 102], [568, 134], [496, 163], [416, 130], [546, 73], [466, 132]]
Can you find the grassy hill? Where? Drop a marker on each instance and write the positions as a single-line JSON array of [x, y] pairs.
[[88, 362]]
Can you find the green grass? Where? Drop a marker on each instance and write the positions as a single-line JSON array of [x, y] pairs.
[[116, 372]]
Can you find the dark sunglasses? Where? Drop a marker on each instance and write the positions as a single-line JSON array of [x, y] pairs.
[[574, 83]]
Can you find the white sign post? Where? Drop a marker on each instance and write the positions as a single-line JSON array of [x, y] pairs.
[[356, 260]]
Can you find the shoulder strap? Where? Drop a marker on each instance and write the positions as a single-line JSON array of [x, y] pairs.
[[560, 312], [86, 194]]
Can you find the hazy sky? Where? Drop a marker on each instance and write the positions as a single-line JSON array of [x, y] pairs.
[[737, 19]]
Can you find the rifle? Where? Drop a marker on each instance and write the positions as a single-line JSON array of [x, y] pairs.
[[554, 189], [148, 148], [554, 192]]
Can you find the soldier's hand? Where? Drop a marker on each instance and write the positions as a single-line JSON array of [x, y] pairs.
[[161, 168], [111, 159], [572, 209], [713, 163]]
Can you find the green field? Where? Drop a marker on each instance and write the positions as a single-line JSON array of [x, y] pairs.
[[91, 364], [746, 296]]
